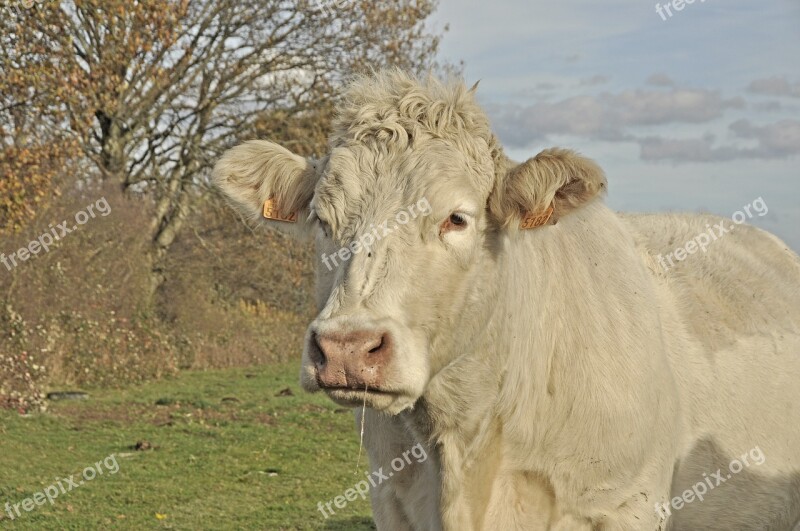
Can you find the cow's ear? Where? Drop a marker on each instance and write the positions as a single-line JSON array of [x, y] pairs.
[[267, 182], [545, 188]]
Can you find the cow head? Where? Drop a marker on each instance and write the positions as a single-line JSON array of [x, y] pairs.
[[407, 209]]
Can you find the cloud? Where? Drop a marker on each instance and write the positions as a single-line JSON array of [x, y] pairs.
[[606, 116], [660, 80], [768, 106], [779, 140], [775, 86], [594, 80], [643, 107], [683, 150], [619, 117]]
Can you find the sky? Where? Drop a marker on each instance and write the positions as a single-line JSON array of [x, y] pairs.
[[696, 112]]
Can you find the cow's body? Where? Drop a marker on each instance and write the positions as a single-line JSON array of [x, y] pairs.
[[559, 377], [711, 370]]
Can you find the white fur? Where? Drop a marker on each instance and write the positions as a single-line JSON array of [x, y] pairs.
[[558, 377]]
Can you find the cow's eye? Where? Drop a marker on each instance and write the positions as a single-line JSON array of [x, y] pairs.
[[455, 222], [458, 220]]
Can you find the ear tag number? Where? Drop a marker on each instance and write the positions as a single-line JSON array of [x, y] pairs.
[[531, 221], [271, 211]]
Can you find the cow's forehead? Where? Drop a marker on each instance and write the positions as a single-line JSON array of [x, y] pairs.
[[368, 182]]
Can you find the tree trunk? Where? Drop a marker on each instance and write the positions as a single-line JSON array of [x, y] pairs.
[[112, 146], [171, 213]]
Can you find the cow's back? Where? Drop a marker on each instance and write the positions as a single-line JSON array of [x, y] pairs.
[[747, 281], [739, 303]]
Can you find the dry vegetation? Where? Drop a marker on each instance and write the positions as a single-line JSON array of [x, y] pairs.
[[133, 102], [79, 313]]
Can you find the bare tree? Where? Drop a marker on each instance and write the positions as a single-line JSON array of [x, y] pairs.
[[34, 147], [154, 90]]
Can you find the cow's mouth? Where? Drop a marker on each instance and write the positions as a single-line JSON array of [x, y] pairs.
[[354, 397]]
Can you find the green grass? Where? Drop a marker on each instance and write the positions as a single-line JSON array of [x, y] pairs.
[[227, 453]]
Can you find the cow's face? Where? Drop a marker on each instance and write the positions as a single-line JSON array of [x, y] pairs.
[[398, 234], [403, 230]]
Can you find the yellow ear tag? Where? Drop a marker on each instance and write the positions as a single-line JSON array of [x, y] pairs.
[[531, 221], [271, 211]]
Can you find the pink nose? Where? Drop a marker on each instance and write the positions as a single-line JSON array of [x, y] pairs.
[[353, 360]]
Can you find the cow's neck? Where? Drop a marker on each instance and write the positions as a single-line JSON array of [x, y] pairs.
[[552, 297]]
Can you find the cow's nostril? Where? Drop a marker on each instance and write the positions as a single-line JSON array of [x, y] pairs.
[[317, 353], [377, 347]]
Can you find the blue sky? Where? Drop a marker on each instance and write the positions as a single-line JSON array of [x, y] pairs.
[[698, 112]]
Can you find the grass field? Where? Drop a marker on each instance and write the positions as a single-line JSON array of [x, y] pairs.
[[228, 449]]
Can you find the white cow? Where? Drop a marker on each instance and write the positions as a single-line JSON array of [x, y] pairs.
[[559, 377]]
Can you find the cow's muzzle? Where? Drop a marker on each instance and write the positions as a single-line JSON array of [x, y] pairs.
[[351, 360]]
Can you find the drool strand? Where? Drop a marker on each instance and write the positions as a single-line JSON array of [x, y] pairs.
[[361, 441]]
